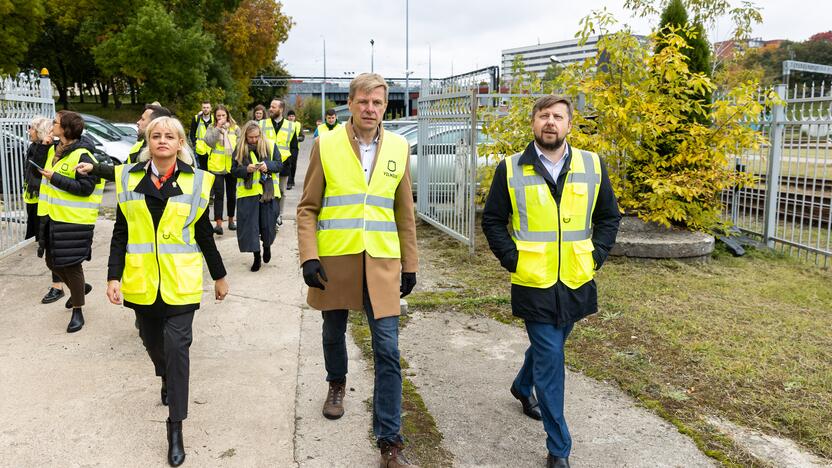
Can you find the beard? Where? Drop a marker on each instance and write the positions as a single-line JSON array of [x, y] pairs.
[[550, 146]]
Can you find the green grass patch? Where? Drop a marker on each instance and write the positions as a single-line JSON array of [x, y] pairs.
[[747, 339], [422, 436]]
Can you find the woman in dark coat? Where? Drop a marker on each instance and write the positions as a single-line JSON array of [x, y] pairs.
[[158, 198], [68, 207], [40, 137], [255, 168]]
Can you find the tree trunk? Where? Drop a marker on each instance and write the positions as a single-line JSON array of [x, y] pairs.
[[132, 83], [115, 88], [61, 84], [103, 92], [81, 93]]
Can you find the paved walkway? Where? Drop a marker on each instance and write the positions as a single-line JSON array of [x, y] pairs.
[[91, 399]]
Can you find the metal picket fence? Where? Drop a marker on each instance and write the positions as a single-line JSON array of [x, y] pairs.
[[446, 152], [22, 98], [788, 207]]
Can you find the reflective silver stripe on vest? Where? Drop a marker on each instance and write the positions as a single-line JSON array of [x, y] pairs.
[[144, 248], [346, 223], [375, 200], [178, 248], [72, 204], [358, 199], [199, 177], [590, 179], [519, 182], [98, 191], [540, 236], [573, 236], [127, 194], [381, 226], [343, 200]]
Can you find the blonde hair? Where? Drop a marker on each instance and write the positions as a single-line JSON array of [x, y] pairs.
[[42, 126], [171, 123], [367, 82], [242, 145]]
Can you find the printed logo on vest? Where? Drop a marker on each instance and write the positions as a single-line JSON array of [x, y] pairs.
[[65, 168], [567, 220], [391, 168]]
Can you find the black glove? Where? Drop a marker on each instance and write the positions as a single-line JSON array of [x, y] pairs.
[[311, 270], [509, 261], [41, 250], [408, 283]]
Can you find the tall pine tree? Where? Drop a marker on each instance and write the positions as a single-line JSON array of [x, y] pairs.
[[699, 53]]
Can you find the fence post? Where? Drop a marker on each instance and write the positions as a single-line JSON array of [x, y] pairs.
[[472, 181], [771, 214]]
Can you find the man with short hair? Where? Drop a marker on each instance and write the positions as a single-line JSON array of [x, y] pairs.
[[330, 125], [563, 215], [281, 132], [357, 247], [107, 171], [290, 184], [196, 134]]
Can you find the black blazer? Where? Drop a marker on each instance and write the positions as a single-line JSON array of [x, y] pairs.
[[557, 304], [156, 200]]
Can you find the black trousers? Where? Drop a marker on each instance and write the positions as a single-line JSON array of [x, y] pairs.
[[202, 161], [224, 184], [292, 162], [72, 276], [168, 341]]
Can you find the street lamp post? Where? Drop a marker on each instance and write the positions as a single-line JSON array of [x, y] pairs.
[[407, 57], [372, 51], [323, 87]]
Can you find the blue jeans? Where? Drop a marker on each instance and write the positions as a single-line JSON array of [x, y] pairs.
[[387, 388], [543, 368]]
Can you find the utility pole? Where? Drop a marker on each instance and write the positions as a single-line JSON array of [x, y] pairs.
[[429, 64], [372, 53]]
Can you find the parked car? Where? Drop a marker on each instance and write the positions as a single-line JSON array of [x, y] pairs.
[[129, 129], [115, 145]]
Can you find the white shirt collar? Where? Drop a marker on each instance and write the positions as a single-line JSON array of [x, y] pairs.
[[545, 159], [155, 170]]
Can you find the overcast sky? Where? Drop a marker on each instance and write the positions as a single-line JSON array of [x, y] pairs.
[[465, 35]]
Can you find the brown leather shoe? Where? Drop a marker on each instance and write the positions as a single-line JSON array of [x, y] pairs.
[[392, 457], [334, 404]]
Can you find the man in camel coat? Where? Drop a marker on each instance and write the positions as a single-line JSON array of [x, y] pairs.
[[357, 243]]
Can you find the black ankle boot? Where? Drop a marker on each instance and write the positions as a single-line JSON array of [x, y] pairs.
[[176, 446], [164, 391], [267, 254], [256, 265], [76, 322]]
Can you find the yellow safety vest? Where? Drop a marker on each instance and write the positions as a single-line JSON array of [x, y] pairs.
[[554, 240], [219, 160], [257, 187], [322, 128], [165, 259], [201, 130], [282, 138], [298, 128], [133, 157], [356, 216], [63, 206], [29, 199]]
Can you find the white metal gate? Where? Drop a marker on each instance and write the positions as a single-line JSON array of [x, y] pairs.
[[446, 153], [22, 98]]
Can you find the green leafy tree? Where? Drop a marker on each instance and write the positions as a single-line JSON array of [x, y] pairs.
[[22, 22], [309, 111], [168, 72]]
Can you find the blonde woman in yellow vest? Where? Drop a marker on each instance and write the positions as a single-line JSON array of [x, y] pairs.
[[161, 239], [68, 205], [256, 167], [550, 218], [40, 140], [222, 139]]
